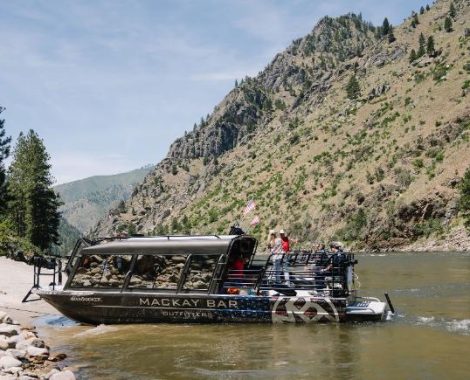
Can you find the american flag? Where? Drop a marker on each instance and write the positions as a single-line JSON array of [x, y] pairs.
[[255, 221], [250, 206]]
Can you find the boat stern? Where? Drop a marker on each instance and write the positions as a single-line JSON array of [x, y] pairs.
[[366, 309]]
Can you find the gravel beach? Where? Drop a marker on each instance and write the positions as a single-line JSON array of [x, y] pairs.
[[23, 355]]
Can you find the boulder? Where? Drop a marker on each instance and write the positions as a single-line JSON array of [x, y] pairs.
[[12, 340], [57, 357], [51, 372], [37, 351], [3, 343], [4, 318], [17, 354], [14, 370], [64, 375], [7, 377], [8, 330], [7, 362]]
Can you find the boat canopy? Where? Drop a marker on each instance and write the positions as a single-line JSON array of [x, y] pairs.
[[176, 245]]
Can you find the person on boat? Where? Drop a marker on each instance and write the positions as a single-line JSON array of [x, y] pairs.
[[286, 250], [321, 256], [285, 241], [236, 268], [277, 256], [337, 259], [271, 239]]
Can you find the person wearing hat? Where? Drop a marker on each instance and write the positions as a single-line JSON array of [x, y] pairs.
[[271, 239], [277, 256], [337, 258], [285, 241]]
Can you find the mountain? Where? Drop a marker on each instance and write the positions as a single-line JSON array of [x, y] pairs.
[[88, 200], [68, 236], [342, 136]]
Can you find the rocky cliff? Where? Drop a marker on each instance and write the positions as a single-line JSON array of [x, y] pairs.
[[346, 134]]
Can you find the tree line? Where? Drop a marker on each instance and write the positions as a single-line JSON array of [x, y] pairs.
[[28, 204]]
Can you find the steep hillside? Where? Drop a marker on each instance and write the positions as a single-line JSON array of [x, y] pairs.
[[340, 136], [86, 201], [68, 236]]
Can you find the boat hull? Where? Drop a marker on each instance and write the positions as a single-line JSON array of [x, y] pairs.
[[118, 308]]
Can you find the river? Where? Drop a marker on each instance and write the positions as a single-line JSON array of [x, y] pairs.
[[428, 338]]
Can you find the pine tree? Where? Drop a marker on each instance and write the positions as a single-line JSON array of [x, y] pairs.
[[448, 25], [464, 202], [421, 10], [4, 153], [452, 11], [385, 27], [427, 7], [391, 36], [422, 45], [353, 89], [33, 207], [430, 50], [415, 18], [413, 56]]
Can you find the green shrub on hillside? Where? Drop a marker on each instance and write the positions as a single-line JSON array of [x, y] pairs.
[[464, 202], [355, 226]]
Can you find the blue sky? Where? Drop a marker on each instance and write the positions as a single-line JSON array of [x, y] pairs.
[[110, 84]]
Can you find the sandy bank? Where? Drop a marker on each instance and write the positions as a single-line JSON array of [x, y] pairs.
[[16, 278]]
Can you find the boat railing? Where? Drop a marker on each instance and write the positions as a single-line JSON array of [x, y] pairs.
[[309, 271], [243, 279]]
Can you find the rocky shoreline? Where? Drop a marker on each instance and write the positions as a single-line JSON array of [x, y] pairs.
[[24, 356]]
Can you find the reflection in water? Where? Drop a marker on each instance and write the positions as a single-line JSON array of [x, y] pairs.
[[430, 338]]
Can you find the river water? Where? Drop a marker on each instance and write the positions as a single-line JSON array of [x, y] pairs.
[[429, 337]]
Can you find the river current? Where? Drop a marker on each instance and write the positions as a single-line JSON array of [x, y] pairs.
[[428, 338]]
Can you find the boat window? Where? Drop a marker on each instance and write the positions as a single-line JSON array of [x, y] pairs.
[[157, 272], [101, 271], [200, 272]]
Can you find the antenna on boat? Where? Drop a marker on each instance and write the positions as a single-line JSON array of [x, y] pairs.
[[389, 301]]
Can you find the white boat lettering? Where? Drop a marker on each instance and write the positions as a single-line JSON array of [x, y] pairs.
[[166, 302], [85, 299], [222, 304]]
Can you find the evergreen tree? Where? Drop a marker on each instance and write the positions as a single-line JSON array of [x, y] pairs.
[[422, 45], [415, 19], [448, 25], [430, 50], [421, 10], [33, 207], [391, 36], [385, 27], [353, 89], [427, 7], [413, 56], [4, 153], [452, 11], [465, 197]]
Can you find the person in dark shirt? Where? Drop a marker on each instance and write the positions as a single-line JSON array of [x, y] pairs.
[[337, 259]]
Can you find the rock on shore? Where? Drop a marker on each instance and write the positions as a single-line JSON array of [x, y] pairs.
[[25, 356]]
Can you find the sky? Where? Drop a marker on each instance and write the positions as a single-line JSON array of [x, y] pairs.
[[110, 84]]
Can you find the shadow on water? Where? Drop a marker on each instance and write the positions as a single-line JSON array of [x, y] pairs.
[[427, 339]]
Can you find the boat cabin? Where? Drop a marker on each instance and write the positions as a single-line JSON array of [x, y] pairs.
[[173, 264]]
